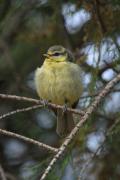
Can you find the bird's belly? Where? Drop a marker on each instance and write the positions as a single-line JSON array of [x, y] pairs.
[[67, 90], [58, 87], [45, 81], [61, 90]]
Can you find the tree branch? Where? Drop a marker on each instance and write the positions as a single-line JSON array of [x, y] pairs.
[[36, 101], [99, 18], [84, 119], [29, 140], [20, 110], [2, 174], [109, 132], [15, 20]]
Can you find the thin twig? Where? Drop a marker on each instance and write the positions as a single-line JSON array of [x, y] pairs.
[[10, 176], [20, 110], [2, 174], [109, 132], [113, 126], [29, 140], [15, 20], [99, 18], [89, 111], [36, 101]]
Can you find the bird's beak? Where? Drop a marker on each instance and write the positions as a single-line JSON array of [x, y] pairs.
[[46, 55]]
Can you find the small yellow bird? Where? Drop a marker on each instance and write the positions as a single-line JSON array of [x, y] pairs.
[[58, 80]]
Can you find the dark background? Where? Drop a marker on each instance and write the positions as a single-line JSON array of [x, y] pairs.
[[91, 30]]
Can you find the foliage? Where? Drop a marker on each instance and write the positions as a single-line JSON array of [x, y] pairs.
[[91, 30]]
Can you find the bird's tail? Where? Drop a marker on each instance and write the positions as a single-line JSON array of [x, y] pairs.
[[65, 123]]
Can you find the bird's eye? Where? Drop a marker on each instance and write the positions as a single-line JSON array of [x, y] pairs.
[[56, 54]]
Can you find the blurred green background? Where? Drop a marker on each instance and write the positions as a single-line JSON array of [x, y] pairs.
[[91, 30]]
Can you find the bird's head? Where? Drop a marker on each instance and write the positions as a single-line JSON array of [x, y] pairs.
[[57, 53]]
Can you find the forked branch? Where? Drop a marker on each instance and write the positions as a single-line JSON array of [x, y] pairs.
[[84, 119], [29, 140]]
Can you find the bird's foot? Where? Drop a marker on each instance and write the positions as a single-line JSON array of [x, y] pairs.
[[64, 108], [45, 102], [61, 135]]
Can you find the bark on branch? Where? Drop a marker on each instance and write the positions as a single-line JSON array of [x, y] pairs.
[[84, 119]]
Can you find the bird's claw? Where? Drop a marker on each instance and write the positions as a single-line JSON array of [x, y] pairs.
[[45, 102], [65, 108]]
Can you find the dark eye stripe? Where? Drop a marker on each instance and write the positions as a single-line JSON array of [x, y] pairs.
[[58, 54]]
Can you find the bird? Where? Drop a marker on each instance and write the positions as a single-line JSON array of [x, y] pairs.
[[59, 81]]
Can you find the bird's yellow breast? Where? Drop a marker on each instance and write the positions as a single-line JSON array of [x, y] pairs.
[[59, 83]]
